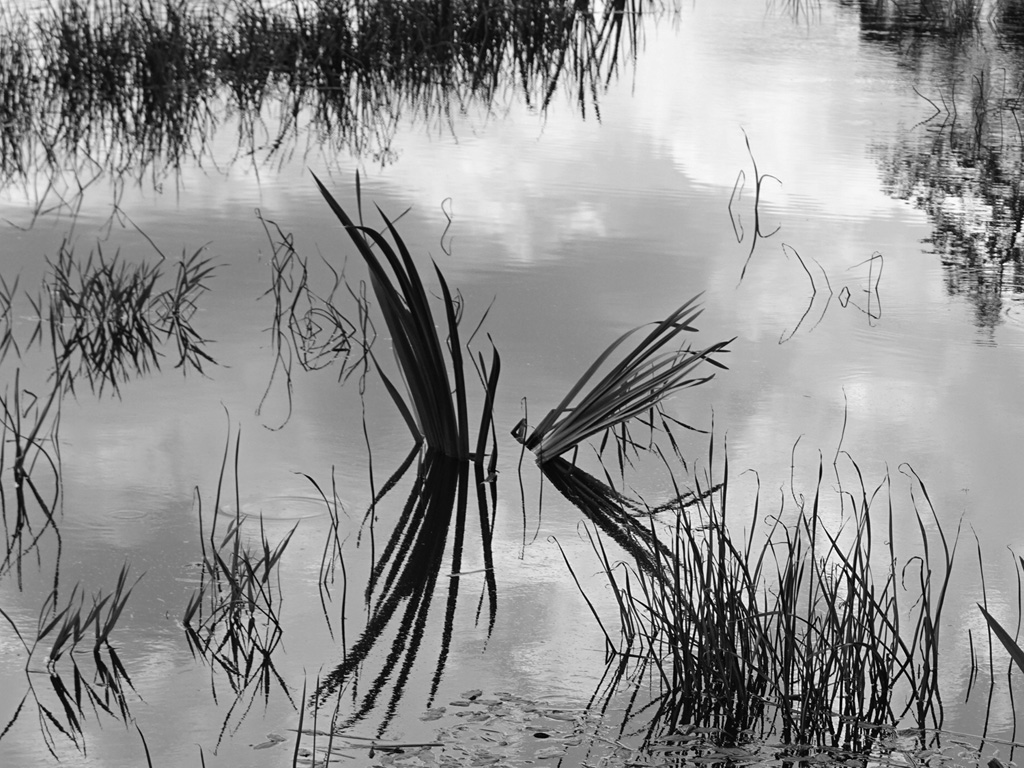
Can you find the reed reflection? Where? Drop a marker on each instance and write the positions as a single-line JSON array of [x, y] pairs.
[[134, 91]]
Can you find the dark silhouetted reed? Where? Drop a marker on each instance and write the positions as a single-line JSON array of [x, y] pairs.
[[433, 370], [637, 384]]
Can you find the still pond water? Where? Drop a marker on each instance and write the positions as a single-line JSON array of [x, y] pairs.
[[880, 133]]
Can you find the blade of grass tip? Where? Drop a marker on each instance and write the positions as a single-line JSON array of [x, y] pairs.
[[145, 746], [359, 197], [579, 586], [351, 227], [455, 352], [489, 395], [1015, 651], [298, 731]]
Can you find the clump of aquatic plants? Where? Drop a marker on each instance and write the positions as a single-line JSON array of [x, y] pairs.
[[433, 371], [78, 624], [231, 620], [811, 635], [108, 317], [651, 371], [404, 577]]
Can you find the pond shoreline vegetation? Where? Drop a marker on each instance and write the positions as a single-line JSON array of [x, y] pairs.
[[814, 633], [769, 640]]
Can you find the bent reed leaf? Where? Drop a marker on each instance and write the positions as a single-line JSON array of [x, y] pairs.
[[635, 385], [437, 410]]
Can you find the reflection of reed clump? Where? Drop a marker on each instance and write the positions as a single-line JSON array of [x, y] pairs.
[[108, 318], [130, 89], [102, 686], [431, 365]]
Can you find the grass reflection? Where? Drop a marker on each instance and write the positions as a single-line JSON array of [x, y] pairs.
[[231, 620], [30, 451], [103, 686], [131, 89], [107, 316], [405, 577]]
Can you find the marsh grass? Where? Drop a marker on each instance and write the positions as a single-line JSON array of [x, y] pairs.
[[109, 319], [231, 620], [102, 686], [801, 635]]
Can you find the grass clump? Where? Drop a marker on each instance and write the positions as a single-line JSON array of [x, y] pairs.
[[433, 370], [803, 636], [650, 372]]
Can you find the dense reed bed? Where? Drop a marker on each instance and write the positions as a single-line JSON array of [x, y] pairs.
[[130, 89], [806, 633]]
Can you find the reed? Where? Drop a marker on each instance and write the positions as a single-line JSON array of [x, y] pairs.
[[637, 384], [799, 637], [431, 368], [1007, 640]]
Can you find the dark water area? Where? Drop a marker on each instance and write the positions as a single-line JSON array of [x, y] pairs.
[[194, 430]]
